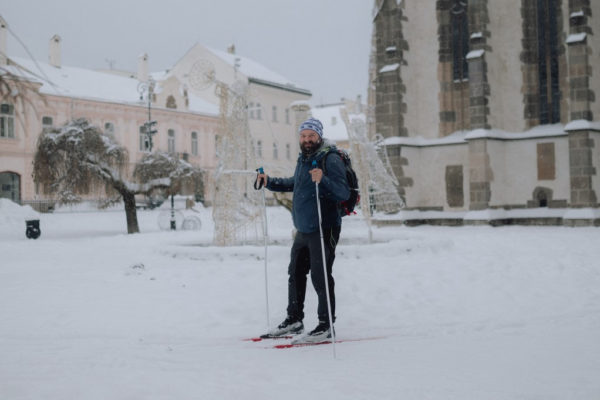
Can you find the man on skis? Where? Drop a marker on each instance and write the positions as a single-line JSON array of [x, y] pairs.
[[306, 252]]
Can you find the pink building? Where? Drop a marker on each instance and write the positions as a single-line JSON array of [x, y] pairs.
[[186, 124]]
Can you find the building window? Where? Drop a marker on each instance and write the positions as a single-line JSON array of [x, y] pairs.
[[109, 128], [287, 116], [7, 121], [171, 141], [195, 143], [275, 152], [259, 148], [251, 110], [333, 121], [47, 122], [460, 40], [144, 141], [258, 111], [547, 36], [10, 186], [274, 113], [171, 102], [288, 151]]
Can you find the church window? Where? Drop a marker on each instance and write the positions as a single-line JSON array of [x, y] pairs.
[[460, 40], [547, 36]]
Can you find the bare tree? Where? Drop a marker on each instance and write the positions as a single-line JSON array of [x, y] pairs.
[[78, 158]]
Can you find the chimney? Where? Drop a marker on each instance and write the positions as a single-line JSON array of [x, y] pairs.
[[231, 49], [142, 72], [54, 56], [3, 29]]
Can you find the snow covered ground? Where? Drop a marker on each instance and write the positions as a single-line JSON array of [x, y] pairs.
[[88, 312]]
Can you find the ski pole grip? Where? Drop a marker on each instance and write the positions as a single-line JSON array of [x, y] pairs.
[[314, 164], [258, 185]]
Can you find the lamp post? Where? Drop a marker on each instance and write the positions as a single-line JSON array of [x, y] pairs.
[[147, 88]]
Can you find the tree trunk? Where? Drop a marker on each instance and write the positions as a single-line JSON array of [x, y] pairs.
[[130, 212]]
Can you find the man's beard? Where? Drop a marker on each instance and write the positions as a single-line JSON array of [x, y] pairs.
[[309, 148]]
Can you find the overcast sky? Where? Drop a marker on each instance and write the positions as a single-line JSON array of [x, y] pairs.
[[321, 45]]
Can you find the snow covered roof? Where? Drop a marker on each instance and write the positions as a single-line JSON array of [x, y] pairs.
[[90, 84], [254, 70], [334, 127]]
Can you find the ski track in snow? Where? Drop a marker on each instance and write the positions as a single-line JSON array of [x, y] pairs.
[[89, 312]]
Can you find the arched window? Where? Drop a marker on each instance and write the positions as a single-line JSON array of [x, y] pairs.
[[288, 151], [275, 152], [171, 102]]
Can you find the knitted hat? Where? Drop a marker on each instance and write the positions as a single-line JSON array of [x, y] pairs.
[[312, 124]]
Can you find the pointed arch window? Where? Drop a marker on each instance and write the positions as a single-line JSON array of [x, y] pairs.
[[547, 35], [460, 39]]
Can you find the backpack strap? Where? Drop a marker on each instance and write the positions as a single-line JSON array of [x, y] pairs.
[[323, 160]]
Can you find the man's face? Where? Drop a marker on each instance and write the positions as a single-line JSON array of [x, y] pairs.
[[309, 141]]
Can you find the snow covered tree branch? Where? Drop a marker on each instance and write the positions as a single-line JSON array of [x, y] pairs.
[[79, 158]]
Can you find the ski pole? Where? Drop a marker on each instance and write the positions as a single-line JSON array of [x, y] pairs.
[[314, 165], [260, 185]]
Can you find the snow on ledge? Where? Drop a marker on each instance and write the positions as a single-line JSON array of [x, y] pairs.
[[582, 213], [455, 138], [389, 68], [536, 132], [462, 137], [475, 54], [582, 125], [576, 37], [496, 214]]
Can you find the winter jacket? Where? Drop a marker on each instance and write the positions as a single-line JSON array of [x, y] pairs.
[[333, 188]]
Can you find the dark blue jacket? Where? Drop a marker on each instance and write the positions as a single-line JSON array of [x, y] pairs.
[[333, 188]]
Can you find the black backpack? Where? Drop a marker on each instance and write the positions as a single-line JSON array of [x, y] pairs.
[[347, 206]]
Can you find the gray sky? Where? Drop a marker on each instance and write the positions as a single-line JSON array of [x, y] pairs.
[[321, 45]]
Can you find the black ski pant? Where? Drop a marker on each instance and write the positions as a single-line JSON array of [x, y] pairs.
[[306, 256]]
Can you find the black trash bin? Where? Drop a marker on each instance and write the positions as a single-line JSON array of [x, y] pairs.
[[33, 229]]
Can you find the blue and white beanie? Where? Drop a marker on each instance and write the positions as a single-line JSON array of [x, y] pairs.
[[312, 124]]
